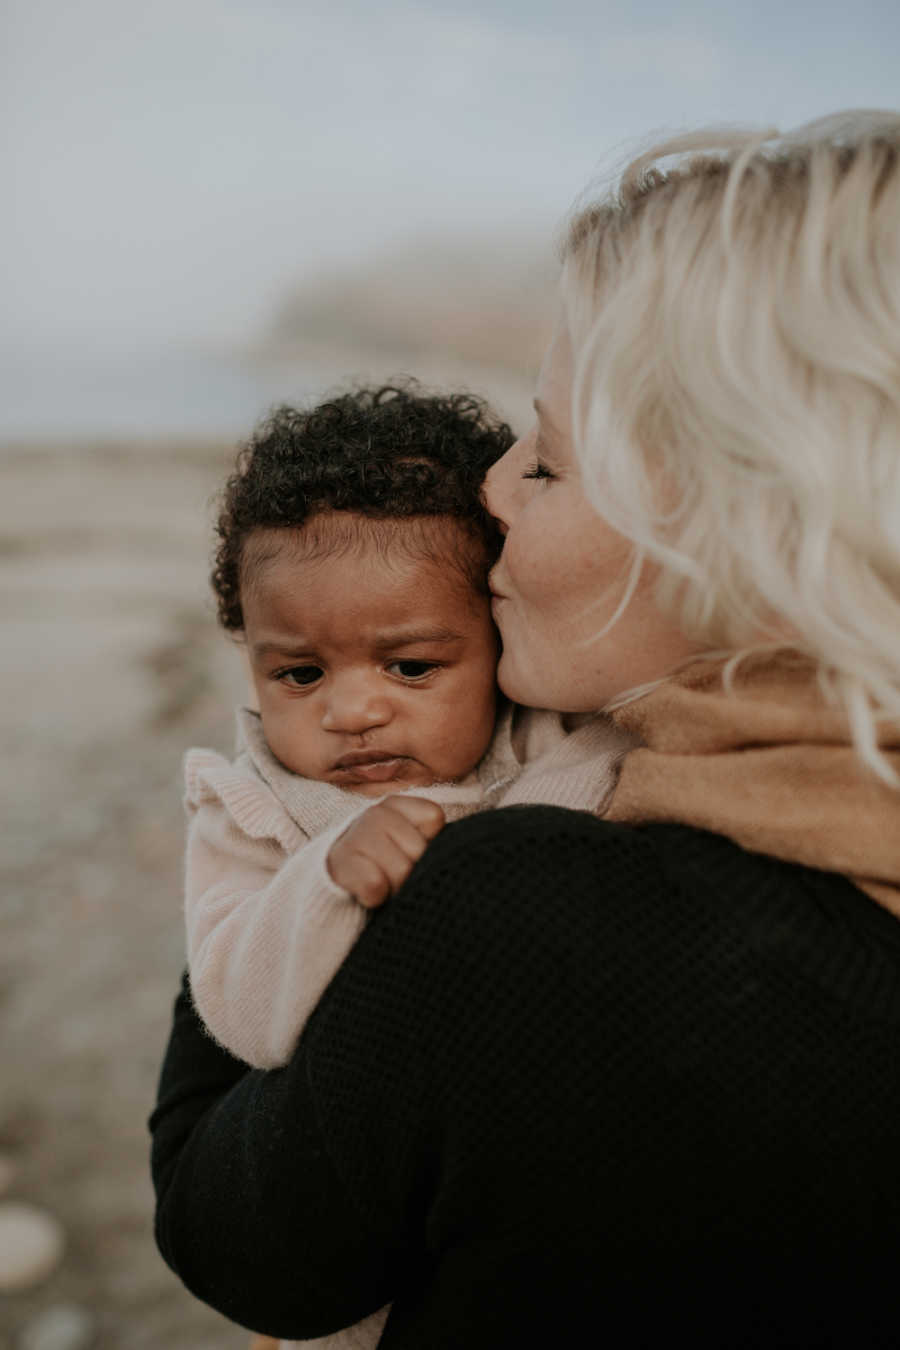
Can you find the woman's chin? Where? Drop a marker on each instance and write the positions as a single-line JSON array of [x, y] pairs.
[[521, 686], [551, 682]]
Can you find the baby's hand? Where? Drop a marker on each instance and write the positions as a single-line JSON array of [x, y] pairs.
[[373, 858]]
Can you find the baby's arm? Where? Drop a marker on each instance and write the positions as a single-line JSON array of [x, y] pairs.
[[266, 931]]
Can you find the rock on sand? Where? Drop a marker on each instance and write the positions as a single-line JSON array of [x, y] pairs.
[[31, 1244]]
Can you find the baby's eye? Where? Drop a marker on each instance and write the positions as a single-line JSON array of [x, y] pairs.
[[301, 675], [411, 670]]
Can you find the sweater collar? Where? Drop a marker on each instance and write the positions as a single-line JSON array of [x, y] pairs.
[[769, 763]]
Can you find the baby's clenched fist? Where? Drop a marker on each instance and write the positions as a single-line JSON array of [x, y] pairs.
[[375, 855]]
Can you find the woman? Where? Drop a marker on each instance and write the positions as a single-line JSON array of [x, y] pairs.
[[628, 1080]]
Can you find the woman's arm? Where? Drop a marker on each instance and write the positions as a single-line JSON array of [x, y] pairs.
[[251, 1213], [430, 1100], [295, 1201]]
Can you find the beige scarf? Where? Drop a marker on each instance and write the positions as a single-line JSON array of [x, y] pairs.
[[769, 764]]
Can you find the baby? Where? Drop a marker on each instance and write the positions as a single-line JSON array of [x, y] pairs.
[[352, 563], [353, 560]]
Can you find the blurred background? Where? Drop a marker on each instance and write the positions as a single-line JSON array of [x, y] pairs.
[[211, 206]]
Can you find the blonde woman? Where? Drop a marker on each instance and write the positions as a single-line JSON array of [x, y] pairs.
[[632, 1080]]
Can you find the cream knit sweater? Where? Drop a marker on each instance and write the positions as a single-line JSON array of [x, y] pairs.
[[267, 928]]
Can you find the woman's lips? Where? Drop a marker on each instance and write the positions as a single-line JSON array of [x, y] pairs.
[[496, 593]]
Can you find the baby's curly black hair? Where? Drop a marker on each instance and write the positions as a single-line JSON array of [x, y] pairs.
[[388, 452]]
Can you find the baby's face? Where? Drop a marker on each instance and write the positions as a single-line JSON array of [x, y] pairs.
[[374, 670]]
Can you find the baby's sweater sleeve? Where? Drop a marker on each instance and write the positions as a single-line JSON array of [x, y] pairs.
[[267, 928]]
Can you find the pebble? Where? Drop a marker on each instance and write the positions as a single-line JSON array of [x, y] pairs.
[[63, 1326], [31, 1244]]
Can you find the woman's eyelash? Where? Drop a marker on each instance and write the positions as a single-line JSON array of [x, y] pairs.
[[537, 470]]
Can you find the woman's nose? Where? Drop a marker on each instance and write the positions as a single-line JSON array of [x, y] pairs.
[[353, 706], [502, 482], [494, 495]]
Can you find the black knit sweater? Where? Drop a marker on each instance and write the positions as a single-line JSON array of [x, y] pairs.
[[579, 1084]]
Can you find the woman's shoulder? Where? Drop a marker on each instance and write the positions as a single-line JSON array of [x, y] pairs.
[[546, 838], [648, 884], [532, 944], [547, 842], [534, 841], [535, 875]]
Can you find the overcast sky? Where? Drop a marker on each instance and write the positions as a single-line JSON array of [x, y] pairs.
[[169, 167]]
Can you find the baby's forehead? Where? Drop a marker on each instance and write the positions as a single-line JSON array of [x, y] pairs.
[[350, 565], [349, 529], [329, 534]]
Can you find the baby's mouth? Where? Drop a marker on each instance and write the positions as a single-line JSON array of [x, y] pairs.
[[369, 766], [354, 758]]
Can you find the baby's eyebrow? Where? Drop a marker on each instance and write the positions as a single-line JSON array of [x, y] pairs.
[[409, 637], [286, 649], [400, 637]]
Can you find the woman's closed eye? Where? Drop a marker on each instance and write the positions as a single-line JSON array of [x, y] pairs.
[[299, 676], [537, 469], [411, 671]]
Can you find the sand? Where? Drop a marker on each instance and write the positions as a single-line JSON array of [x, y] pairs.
[[111, 664]]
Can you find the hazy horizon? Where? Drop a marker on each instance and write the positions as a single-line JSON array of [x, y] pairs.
[[175, 171]]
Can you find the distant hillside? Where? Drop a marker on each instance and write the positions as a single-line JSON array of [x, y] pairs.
[[474, 303]]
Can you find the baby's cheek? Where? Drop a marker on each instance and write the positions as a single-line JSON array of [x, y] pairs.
[[474, 721], [290, 740]]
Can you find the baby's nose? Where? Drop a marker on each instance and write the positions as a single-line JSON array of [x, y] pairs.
[[353, 706]]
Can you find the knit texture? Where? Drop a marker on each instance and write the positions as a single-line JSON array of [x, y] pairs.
[[769, 763], [579, 1083]]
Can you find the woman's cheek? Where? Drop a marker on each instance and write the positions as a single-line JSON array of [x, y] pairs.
[[523, 565], [537, 581]]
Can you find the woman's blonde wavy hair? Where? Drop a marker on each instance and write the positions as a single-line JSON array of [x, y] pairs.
[[735, 322]]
